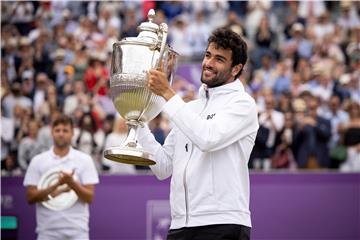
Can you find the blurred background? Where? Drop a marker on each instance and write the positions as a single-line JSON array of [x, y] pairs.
[[303, 71]]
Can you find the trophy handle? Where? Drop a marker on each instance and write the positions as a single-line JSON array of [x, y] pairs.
[[116, 66], [164, 32]]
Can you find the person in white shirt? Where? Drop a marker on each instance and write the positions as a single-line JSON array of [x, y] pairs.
[[118, 135], [273, 121], [77, 173], [207, 151]]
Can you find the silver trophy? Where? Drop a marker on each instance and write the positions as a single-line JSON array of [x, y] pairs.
[[132, 58]]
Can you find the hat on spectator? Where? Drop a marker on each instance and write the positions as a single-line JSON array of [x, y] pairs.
[[345, 78], [317, 70], [345, 5], [69, 70], [102, 56], [13, 42], [297, 27], [237, 29], [66, 13], [99, 56], [27, 74], [60, 53], [41, 78], [299, 105], [24, 41], [181, 18]]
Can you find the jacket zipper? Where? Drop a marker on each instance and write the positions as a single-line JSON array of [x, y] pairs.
[[187, 163]]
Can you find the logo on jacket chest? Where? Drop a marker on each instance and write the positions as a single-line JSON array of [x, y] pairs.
[[210, 116]]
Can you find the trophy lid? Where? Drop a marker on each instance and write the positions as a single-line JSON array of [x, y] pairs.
[[150, 25]]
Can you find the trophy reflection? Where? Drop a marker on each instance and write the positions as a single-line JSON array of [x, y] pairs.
[[131, 60]]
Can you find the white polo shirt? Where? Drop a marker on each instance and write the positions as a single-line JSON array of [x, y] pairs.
[[75, 217]]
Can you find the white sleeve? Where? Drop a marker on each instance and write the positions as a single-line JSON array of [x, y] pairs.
[[233, 122], [163, 154], [88, 174], [33, 174]]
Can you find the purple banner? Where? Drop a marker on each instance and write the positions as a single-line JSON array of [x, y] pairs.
[[191, 72], [283, 206]]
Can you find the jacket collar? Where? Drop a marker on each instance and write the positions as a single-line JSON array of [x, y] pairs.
[[236, 85]]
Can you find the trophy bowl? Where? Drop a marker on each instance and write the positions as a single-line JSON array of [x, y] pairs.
[[132, 58]]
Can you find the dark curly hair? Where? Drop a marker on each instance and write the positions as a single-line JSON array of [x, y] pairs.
[[227, 39]]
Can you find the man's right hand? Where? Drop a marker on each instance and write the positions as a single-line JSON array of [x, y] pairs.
[[65, 178]]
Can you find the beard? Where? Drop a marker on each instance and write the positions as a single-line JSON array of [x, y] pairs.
[[219, 78], [61, 143]]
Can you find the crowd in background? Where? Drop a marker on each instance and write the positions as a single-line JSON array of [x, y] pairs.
[[303, 71]]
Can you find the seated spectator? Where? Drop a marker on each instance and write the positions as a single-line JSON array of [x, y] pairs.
[[156, 129], [107, 128], [284, 103], [348, 18], [265, 40], [96, 75], [79, 99], [179, 37], [311, 136], [9, 166], [116, 139], [130, 25], [198, 31], [271, 122], [284, 156], [264, 77], [7, 132], [15, 98], [298, 45], [338, 118], [282, 80], [44, 136], [29, 146], [352, 140], [41, 84], [22, 16], [50, 103], [323, 26], [88, 138], [80, 61]]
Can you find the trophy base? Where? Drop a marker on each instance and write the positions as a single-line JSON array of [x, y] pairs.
[[129, 155]]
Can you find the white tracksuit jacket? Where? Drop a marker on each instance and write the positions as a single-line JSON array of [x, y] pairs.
[[207, 153]]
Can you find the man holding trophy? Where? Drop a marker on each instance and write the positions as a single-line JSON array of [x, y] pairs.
[[207, 152]]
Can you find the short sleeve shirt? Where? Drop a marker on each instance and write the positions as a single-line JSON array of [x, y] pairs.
[[77, 216]]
